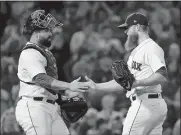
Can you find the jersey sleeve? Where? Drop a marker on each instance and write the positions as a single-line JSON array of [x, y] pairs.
[[34, 62], [155, 59]]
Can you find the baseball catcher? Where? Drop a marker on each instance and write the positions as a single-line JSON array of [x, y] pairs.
[[122, 74], [37, 111]]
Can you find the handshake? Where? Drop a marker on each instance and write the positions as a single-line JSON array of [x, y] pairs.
[[77, 86], [121, 74]]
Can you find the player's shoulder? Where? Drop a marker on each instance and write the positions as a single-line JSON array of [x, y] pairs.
[[152, 46], [31, 53]]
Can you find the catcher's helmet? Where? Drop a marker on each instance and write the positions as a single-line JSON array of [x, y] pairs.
[[38, 20]]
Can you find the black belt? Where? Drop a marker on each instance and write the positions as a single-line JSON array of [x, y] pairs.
[[41, 99], [149, 96]]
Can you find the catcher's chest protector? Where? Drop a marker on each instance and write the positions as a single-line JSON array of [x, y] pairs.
[[51, 68]]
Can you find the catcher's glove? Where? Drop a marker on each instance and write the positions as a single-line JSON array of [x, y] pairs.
[[73, 109], [122, 74]]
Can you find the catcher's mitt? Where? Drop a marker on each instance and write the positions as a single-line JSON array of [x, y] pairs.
[[122, 74], [73, 109]]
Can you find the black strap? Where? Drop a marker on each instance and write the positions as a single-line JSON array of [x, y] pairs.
[[153, 96], [149, 96], [134, 98], [41, 98]]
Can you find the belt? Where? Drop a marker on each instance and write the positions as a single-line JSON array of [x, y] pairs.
[[41, 99], [149, 96]]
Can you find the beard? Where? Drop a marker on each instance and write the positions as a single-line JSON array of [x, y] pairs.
[[131, 42], [45, 42]]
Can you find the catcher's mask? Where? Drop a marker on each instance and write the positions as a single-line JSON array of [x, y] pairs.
[[38, 20]]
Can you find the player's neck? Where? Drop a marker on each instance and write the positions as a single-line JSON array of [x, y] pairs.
[[34, 40], [142, 38]]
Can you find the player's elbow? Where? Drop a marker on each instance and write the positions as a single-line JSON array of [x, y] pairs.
[[162, 75]]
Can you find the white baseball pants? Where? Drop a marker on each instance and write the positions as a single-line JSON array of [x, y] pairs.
[[40, 118], [145, 116]]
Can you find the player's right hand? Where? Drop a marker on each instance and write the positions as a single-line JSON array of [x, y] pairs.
[[77, 86], [90, 83]]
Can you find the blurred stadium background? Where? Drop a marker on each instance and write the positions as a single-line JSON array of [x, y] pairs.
[[87, 44]]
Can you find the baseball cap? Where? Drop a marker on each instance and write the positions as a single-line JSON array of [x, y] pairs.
[[133, 19]]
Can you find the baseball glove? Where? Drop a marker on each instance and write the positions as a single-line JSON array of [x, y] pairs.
[[73, 109], [122, 74]]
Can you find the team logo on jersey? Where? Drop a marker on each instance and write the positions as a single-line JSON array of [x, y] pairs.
[[136, 66]]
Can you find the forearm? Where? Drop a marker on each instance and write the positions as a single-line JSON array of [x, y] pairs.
[[155, 79], [51, 83], [108, 86]]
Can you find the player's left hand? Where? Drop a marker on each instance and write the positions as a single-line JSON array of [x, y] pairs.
[[122, 74]]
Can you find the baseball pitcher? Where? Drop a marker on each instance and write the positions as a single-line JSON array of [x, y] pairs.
[[142, 77]]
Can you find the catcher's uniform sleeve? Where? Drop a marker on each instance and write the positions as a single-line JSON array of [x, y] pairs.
[[33, 62], [155, 59]]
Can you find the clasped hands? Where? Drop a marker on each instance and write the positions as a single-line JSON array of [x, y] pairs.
[[77, 86]]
